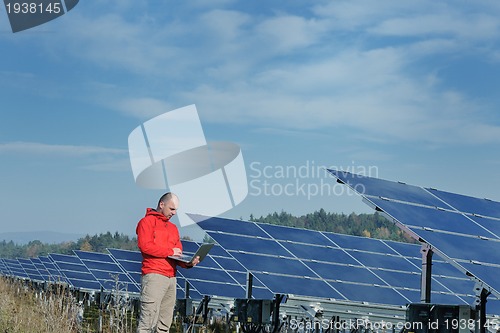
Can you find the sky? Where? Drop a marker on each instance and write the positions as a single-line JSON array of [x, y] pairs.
[[399, 90]]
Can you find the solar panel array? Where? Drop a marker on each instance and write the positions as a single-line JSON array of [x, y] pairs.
[[293, 261], [117, 270], [282, 260], [463, 230]]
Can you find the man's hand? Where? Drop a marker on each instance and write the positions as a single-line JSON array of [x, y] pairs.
[[177, 251], [193, 263]]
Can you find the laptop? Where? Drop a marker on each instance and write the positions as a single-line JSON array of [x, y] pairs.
[[201, 252]]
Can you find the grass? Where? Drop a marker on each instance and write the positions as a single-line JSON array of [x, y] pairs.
[[26, 309], [22, 309]]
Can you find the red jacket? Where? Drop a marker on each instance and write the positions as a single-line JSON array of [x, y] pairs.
[[156, 238]]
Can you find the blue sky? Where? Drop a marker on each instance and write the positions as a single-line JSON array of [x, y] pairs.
[[406, 90]]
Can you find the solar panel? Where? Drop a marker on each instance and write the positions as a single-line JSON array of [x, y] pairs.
[[467, 204], [55, 275], [76, 273], [130, 262], [369, 186], [44, 273], [422, 217], [30, 269], [209, 277], [321, 264], [463, 230], [109, 274], [4, 268], [15, 268]]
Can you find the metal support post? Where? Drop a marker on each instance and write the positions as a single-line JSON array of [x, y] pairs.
[[249, 285], [481, 299], [426, 279], [276, 313]]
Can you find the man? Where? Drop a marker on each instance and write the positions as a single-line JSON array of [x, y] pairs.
[[158, 238]]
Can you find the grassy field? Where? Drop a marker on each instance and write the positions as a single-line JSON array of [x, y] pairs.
[[24, 310]]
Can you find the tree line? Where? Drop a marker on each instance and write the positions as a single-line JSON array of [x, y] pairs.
[[366, 225], [96, 243]]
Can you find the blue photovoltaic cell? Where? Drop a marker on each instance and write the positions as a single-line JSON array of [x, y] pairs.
[[212, 288], [344, 273], [458, 286], [469, 204], [432, 218], [3, 268], [127, 255], [75, 271], [275, 265], [485, 273], [400, 279], [130, 266], [490, 224], [297, 286], [441, 298], [296, 235], [251, 244], [372, 294], [493, 306], [94, 256], [6, 267], [55, 274], [207, 274], [130, 263], [16, 269], [109, 274], [30, 269], [412, 295], [243, 228], [319, 253], [382, 188], [229, 264], [44, 273], [445, 269], [241, 277], [406, 250], [358, 243], [378, 260], [461, 247], [218, 251]]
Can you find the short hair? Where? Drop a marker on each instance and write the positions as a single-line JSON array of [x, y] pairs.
[[166, 198]]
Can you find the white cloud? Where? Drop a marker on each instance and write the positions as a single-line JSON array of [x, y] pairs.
[[337, 67], [36, 148], [143, 108], [288, 33]]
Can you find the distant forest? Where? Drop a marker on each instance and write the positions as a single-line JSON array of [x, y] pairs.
[[366, 225]]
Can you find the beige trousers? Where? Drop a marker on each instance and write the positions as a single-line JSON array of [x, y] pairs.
[[158, 296]]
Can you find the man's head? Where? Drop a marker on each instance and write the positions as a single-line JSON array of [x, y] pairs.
[[167, 205]]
